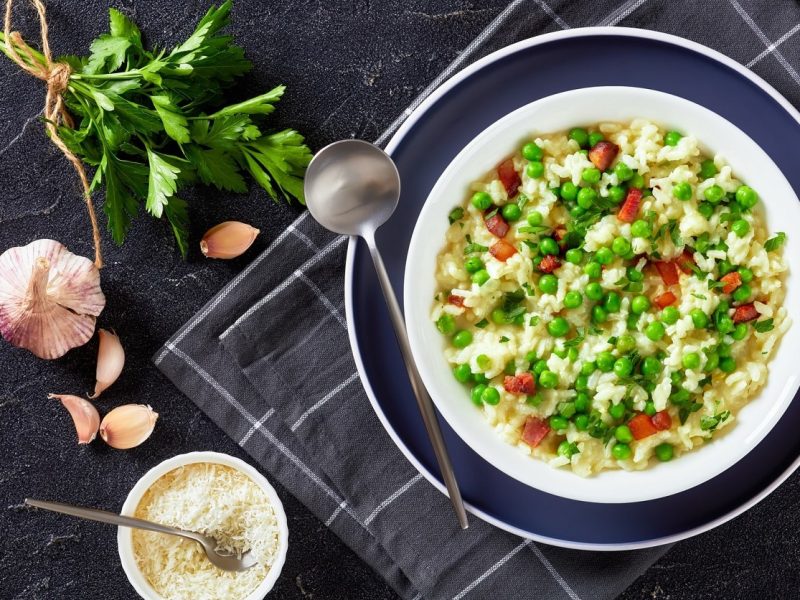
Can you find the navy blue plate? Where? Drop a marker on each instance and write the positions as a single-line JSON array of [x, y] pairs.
[[422, 149]]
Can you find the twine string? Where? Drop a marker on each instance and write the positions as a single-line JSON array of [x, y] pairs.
[[57, 76]]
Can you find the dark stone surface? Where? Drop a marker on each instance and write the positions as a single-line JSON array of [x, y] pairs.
[[351, 68]]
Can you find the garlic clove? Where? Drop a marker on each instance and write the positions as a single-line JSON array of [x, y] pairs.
[[84, 415], [128, 426], [49, 298], [228, 240], [110, 360]]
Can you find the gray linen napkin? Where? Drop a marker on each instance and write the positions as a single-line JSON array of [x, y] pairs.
[[245, 359]]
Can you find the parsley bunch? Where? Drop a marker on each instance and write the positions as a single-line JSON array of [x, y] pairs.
[[152, 121]]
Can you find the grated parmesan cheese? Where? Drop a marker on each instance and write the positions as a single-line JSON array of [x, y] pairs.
[[215, 500]]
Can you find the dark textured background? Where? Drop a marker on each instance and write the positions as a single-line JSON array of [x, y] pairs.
[[351, 68]]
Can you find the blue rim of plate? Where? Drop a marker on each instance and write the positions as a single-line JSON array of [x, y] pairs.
[[425, 144]]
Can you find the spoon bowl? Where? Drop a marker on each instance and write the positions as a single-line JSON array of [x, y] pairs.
[[352, 187]]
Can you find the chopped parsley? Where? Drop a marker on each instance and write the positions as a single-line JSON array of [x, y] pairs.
[[776, 242], [764, 326], [455, 214]]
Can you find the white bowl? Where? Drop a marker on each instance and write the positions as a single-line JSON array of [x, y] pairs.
[[125, 534], [557, 113]]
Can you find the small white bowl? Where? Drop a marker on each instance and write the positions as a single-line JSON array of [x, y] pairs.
[[125, 534], [558, 113]]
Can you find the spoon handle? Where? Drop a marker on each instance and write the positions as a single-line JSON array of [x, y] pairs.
[[103, 516], [423, 399]]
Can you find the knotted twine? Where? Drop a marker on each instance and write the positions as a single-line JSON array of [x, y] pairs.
[[56, 75]]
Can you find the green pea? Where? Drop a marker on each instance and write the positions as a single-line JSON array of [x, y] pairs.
[[595, 137], [566, 449], [558, 327], [746, 196], [593, 269], [699, 318], [604, 255], [511, 212], [582, 402], [612, 302], [708, 169], [637, 181], [599, 314], [654, 331], [446, 324], [651, 367], [616, 411], [640, 304], [670, 315], [499, 316], [724, 350], [548, 245], [462, 339], [740, 227], [535, 218], [558, 423], [620, 246], [739, 332], [548, 284], [676, 378], [582, 383], [594, 291], [671, 138], [745, 274], [534, 400], [621, 451], [714, 194], [616, 193], [626, 343], [576, 212], [705, 209], [649, 408], [582, 422], [641, 229], [534, 169], [727, 364], [476, 394], [605, 361], [462, 373], [572, 354], [725, 324], [634, 274], [510, 367], [574, 256], [712, 362], [480, 378], [483, 362], [490, 396], [623, 434], [531, 151], [664, 452], [473, 264], [632, 321], [586, 197], [742, 293], [481, 200], [691, 360], [588, 367], [480, 277], [540, 367], [591, 175], [702, 244], [623, 171], [682, 191], [548, 379], [724, 267], [580, 135], [680, 397], [623, 367], [569, 191], [573, 299]]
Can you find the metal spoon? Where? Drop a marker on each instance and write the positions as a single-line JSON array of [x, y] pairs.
[[352, 187], [226, 562]]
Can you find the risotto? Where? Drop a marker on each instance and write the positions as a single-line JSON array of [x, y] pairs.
[[611, 296]]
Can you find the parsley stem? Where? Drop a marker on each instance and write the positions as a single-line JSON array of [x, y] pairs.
[[105, 76]]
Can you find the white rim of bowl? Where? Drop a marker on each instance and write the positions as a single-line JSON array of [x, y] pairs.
[[125, 535], [395, 141]]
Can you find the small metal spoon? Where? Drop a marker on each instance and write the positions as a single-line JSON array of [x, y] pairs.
[[352, 187], [226, 562]]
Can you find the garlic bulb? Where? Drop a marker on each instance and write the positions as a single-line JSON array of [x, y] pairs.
[[110, 360], [128, 426], [49, 298], [84, 415], [228, 240]]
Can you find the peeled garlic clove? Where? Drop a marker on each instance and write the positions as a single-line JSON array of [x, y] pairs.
[[110, 360], [128, 426], [49, 298], [228, 240], [83, 414]]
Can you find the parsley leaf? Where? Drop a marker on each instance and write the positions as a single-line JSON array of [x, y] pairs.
[[455, 214], [764, 326], [172, 118], [776, 242]]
